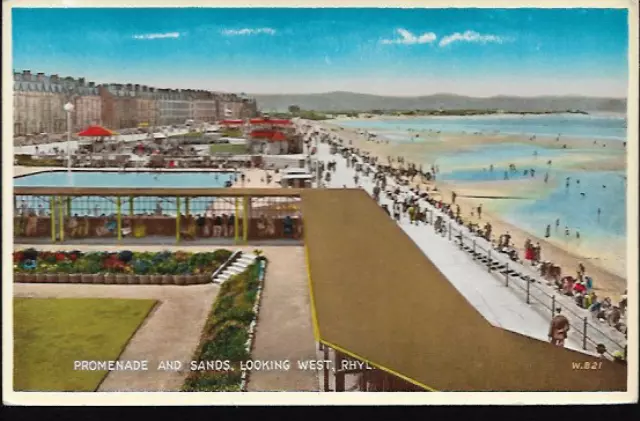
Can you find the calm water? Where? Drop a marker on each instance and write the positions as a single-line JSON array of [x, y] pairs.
[[98, 205], [577, 211], [568, 125], [124, 179], [574, 210]]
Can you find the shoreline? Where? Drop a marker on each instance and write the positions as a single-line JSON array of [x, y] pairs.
[[607, 283]]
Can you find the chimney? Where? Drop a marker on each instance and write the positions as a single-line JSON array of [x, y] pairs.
[[40, 77], [145, 88], [27, 75], [92, 84], [81, 81], [136, 87], [129, 86], [55, 78]]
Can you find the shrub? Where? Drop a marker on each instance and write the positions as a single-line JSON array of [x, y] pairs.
[[226, 333], [221, 255]]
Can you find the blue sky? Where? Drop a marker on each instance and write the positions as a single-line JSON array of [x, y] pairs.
[[478, 52]]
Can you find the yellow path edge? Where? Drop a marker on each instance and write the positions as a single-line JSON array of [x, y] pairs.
[[316, 334], [314, 315], [381, 367]]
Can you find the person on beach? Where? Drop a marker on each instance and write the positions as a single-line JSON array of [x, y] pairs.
[[559, 328], [491, 167], [506, 175], [547, 231], [453, 197], [599, 212], [566, 231], [479, 209], [546, 177]]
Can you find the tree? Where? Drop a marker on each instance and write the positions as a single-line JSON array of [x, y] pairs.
[[294, 109]]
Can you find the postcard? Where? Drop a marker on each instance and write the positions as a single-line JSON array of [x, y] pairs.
[[274, 203]]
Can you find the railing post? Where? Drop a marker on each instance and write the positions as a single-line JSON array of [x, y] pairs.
[[506, 274], [177, 219], [236, 221], [474, 249], [130, 205], [61, 214], [528, 289], [186, 206], [553, 306], [489, 260], [69, 206], [584, 334], [449, 230], [52, 210], [119, 217], [245, 219]]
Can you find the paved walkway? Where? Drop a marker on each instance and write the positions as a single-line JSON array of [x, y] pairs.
[[171, 332], [284, 330]]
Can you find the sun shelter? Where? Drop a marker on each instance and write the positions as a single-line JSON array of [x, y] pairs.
[[99, 133]]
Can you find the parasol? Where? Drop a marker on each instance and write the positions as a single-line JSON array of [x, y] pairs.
[[96, 131]]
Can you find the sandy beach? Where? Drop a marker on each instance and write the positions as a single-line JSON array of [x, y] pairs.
[[608, 268]]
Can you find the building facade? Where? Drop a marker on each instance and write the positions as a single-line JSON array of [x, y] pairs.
[[205, 107], [38, 103], [39, 100], [174, 107], [128, 106]]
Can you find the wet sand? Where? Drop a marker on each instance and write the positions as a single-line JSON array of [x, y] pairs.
[[608, 269]]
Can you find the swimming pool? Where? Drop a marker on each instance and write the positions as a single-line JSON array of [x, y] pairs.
[[131, 179], [118, 179]]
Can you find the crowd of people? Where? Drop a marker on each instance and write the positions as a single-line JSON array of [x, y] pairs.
[[405, 202]]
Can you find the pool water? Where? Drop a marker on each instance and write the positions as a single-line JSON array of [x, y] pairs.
[[96, 206], [125, 179]]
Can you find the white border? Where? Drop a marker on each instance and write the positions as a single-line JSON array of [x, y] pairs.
[[306, 398]]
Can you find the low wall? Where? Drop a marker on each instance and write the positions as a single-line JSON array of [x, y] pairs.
[[121, 279]]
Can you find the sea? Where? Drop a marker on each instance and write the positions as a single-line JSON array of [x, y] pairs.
[[596, 126], [587, 201]]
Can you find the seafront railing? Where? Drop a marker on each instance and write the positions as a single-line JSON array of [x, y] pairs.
[[68, 214], [527, 283]]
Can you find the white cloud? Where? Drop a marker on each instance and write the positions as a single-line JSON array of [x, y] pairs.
[[408, 38], [470, 36], [248, 31], [158, 36]]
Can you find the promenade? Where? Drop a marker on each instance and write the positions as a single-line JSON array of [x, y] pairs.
[[502, 306]]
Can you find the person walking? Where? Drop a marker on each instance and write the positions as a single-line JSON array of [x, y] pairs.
[[558, 328]]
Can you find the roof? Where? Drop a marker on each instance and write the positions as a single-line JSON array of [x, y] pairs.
[[377, 296], [275, 122], [272, 135], [296, 177]]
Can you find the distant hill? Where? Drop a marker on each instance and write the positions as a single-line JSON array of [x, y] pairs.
[[349, 101]]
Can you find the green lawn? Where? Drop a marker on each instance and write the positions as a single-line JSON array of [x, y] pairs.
[[51, 333], [228, 148]]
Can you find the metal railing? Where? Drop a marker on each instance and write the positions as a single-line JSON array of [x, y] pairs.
[[514, 276]]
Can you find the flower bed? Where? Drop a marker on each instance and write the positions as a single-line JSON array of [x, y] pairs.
[[227, 334], [124, 267]]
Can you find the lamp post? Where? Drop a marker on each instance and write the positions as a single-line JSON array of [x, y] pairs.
[[68, 108]]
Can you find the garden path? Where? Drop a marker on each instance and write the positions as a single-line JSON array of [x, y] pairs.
[[284, 330]]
